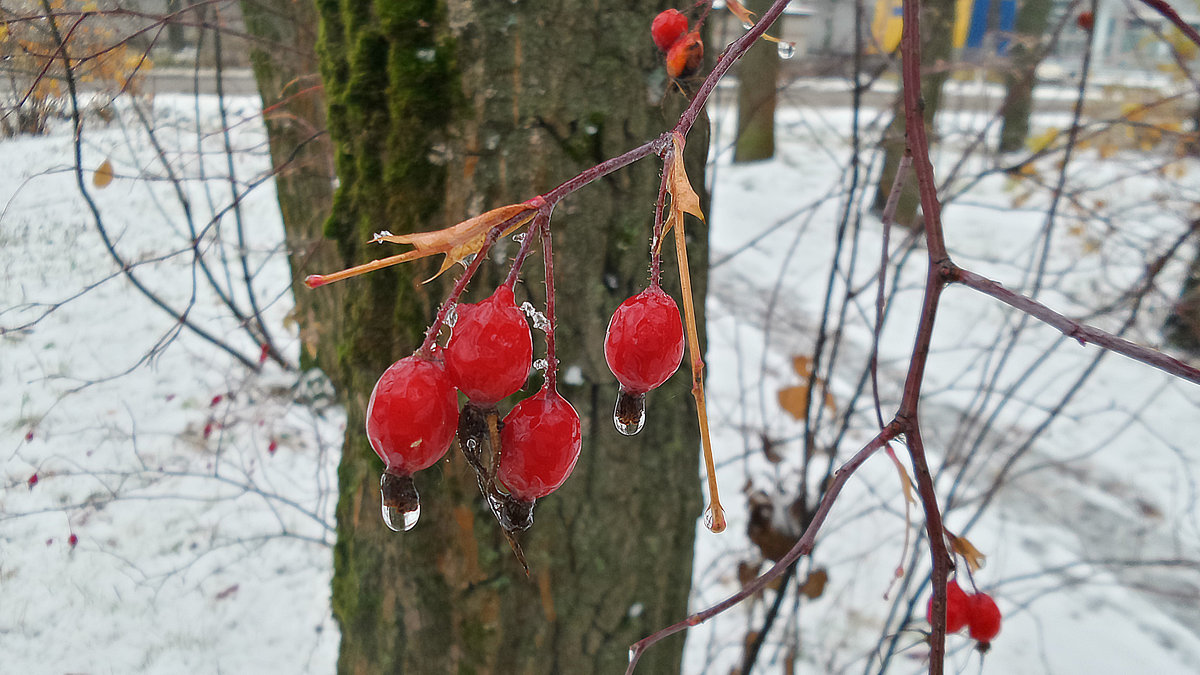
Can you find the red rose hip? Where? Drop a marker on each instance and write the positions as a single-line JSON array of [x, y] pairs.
[[412, 414], [667, 28], [956, 607], [540, 444], [644, 342], [983, 618], [490, 351]]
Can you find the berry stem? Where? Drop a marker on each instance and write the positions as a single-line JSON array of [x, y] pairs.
[[455, 293], [716, 519], [523, 252], [656, 242], [541, 225]]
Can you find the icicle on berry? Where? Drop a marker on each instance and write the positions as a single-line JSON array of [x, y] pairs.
[[411, 419], [983, 619], [540, 444], [489, 355], [685, 56], [643, 347], [667, 28], [957, 601]]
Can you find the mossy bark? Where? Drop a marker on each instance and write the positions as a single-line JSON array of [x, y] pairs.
[[1021, 76], [438, 111], [937, 22]]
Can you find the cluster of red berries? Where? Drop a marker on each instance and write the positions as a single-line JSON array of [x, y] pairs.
[[975, 611], [684, 49], [413, 413]]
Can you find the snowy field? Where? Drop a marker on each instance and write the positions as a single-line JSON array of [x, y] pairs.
[[164, 509]]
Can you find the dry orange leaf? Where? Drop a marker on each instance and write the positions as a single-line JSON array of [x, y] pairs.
[[795, 400], [814, 585], [975, 559], [744, 15], [103, 175], [459, 241], [802, 365]]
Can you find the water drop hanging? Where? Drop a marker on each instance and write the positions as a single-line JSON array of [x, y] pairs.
[[629, 415], [747, 25], [401, 503], [787, 50], [715, 522]]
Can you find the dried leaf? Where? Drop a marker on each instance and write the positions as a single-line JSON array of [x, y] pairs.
[[747, 572], [814, 586], [1043, 140], [794, 400], [802, 365], [103, 175], [975, 559], [683, 198], [744, 15], [459, 241], [771, 541]]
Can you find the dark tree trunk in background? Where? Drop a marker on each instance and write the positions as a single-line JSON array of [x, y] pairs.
[[937, 25], [758, 79], [1182, 328], [1020, 78], [439, 111]]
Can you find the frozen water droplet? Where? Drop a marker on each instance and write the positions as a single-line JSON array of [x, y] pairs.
[[714, 521], [400, 521], [451, 316], [539, 320], [541, 365], [472, 444], [747, 25], [629, 415], [632, 654], [467, 260], [787, 50], [519, 237], [401, 503]]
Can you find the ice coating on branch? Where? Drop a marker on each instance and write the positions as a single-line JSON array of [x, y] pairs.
[[539, 320]]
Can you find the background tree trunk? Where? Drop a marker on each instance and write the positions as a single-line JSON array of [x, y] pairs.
[[758, 78], [1020, 78], [1182, 327], [937, 23], [439, 111]]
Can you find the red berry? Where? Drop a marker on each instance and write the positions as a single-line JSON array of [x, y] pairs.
[[644, 343], [957, 602], [685, 56], [983, 617], [412, 414], [540, 444], [272, 446], [33, 480], [263, 353], [72, 540], [1085, 20], [491, 351], [216, 400], [667, 28], [29, 435]]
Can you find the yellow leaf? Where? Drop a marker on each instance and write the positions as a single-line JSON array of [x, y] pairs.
[[1107, 150], [103, 175], [1043, 140], [975, 559]]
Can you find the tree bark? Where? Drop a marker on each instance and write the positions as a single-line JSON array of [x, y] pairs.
[[1020, 78], [937, 23], [1182, 327], [439, 111], [758, 78]]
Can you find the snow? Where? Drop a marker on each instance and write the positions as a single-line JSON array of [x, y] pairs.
[[211, 552]]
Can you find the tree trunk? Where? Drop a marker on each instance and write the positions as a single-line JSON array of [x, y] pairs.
[[758, 78], [1021, 77], [937, 24], [1182, 327], [439, 111]]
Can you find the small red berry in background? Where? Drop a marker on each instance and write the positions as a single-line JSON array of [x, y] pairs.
[[644, 342], [215, 401], [208, 429], [33, 480], [412, 414], [957, 604], [72, 540], [540, 444], [983, 618], [1085, 20], [272, 446], [29, 435], [667, 28], [263, 353], [685, 56], [490, 351]]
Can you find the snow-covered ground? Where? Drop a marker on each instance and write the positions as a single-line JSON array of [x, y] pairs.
[[201, 496]]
